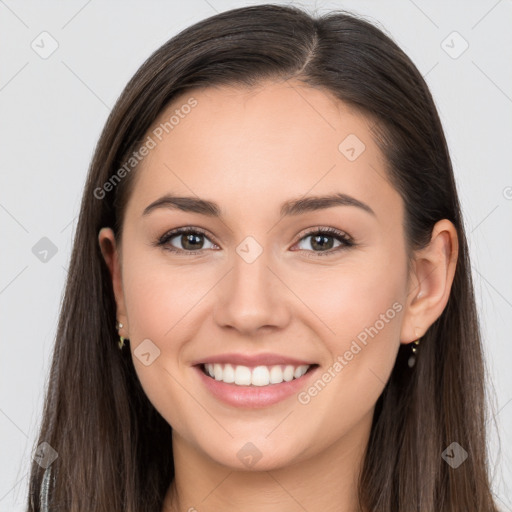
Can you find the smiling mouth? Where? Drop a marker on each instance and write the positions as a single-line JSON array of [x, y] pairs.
[[240, 375]]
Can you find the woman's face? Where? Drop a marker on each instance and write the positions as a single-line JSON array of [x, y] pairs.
[[258, 279]]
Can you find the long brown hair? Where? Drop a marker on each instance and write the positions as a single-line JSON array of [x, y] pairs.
[[114, 449]]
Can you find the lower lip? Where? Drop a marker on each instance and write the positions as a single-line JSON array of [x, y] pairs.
[[253, 397]]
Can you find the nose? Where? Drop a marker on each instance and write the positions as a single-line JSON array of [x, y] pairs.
[[252, 297]]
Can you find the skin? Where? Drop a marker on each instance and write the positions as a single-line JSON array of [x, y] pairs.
[[249, 150]]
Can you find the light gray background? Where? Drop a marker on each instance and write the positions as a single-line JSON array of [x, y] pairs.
[[51, 114]]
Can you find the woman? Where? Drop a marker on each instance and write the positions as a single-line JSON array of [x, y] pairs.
[[271, 230]]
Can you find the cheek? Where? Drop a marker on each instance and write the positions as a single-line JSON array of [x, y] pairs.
[[157, 300], [158, 296], [360, 305], [356, 295], [362, 313]]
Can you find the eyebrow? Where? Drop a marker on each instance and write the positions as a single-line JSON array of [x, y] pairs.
[[291, 207]]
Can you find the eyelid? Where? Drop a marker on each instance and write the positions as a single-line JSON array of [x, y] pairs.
[[321, 229]]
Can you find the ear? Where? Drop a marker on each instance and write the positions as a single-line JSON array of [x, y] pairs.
[[111, 255], [430, 281]]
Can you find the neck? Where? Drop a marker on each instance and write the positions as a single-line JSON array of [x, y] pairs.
[[328, 481]]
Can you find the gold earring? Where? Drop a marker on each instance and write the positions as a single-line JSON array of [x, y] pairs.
[[412, 359]]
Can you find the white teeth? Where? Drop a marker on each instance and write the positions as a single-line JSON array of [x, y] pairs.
[[228, 374], [288, 373], [300, 371], [217, 371], [242, 376], [276, 375], [258, 376]]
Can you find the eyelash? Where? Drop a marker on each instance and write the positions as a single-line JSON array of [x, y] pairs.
[[346, 240]]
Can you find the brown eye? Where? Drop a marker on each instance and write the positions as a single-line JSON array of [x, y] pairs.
[[190, 241], [184, 240], [322, 241]]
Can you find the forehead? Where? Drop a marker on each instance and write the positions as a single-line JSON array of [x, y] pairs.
[[260, 144]]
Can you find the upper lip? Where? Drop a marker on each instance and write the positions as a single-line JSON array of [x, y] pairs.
[[253, 360]]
